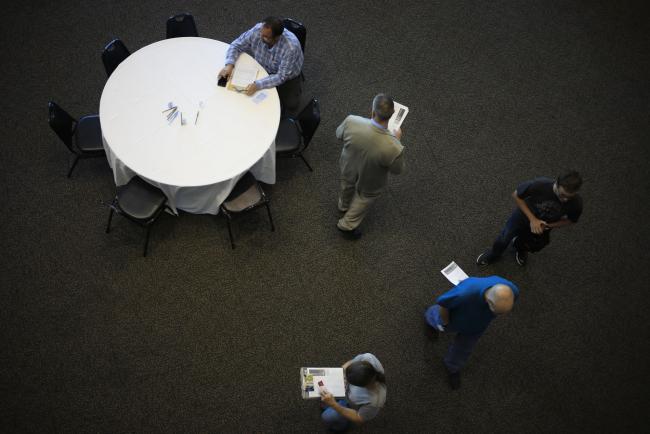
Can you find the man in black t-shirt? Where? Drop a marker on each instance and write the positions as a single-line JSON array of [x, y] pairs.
[[542, 204]]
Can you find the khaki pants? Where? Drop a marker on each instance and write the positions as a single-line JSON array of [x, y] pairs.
[[355, 205]]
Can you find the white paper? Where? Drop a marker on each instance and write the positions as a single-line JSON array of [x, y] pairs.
[[332, 379], [243, 76], [398, 117], [261, 96], [454, 273]]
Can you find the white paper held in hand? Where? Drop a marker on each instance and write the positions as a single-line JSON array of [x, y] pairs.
[[398, 117], [454, 273]]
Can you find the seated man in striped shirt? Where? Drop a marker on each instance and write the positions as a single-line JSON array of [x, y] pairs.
[[279, 52]]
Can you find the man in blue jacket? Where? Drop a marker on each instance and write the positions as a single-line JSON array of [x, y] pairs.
[[467, 310]]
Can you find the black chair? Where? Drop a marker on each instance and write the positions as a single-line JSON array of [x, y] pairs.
[[114, 53], [83, 137], [294, 134], [300, 31], [297, 29], [139, 202], [181, 25], [246, 196]]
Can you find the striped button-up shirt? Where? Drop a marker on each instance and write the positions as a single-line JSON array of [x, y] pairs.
[[283, 61]]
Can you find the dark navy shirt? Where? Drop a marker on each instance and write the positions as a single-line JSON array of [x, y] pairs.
[[469, 313], [544, 203]]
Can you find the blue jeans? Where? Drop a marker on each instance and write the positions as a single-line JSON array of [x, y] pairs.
[[333, 420], [516, 225], [460, 350]]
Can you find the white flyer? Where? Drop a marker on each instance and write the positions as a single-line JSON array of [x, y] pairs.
[[454, 273], [398, 117]]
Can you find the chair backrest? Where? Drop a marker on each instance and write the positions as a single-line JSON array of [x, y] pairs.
[[114, 53], [181, 25], [62, 123], [309, 119], [297, 29]]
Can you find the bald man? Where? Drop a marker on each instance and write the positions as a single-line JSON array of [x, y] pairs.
[[467, 310]]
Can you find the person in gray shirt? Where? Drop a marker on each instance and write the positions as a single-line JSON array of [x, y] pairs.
[[365, 394], [370, 152]]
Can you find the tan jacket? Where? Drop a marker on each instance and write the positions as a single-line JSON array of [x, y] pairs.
[[369, 153]]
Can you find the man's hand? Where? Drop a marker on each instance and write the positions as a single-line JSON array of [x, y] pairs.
[[444, 315], [398, 134], [327, 398], [251, 89], [226, 71], [537, 226]]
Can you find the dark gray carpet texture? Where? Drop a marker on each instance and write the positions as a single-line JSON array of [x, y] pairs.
[[199, 338]]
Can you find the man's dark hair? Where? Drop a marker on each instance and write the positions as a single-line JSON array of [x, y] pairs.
[[570, 181], [275, 24], [383, 106], [362, 374]]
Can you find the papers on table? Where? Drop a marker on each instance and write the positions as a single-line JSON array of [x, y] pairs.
[[454, 273], [396, 120], [173, 112], [332, 379], [242, 76], [261, 96]]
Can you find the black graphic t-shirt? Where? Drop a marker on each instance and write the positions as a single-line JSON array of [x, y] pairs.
[[544, 203]]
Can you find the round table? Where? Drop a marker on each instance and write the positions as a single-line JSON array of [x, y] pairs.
[[196, 164]]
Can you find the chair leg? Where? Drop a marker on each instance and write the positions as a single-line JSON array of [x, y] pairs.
[[74, 163], [268, 210], [110, 217], [146, 240], [232, 241], [308, 166]]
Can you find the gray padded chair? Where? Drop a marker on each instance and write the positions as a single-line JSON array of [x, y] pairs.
[[246, 196], [82, 137], [140, 202], [114, 53], [295, 134], [181, 25], [298, 29]]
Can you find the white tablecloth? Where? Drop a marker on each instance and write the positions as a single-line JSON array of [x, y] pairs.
[[195, 165]]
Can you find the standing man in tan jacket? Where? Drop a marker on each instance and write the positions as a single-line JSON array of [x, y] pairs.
[[370, 151]]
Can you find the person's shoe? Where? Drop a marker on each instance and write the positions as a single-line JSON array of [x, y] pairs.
[[521, 257], [454, 380], [484, 259], [354, 234]]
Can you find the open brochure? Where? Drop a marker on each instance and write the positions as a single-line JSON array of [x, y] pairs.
[[242, 76], [330, 378], [454, 273], [396, 120]]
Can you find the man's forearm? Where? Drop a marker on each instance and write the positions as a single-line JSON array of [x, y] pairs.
[[560, 223], [347, 413], [232, 55], [444, 315], [521, 204], [272, 80]]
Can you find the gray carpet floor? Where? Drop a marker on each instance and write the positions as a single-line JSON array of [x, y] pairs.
[[201, 338]]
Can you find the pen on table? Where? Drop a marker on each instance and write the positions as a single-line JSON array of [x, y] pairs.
[[197, 117], [170, 108]]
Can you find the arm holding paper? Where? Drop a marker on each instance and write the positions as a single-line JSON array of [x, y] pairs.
[[348, 413], [238, 46]]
